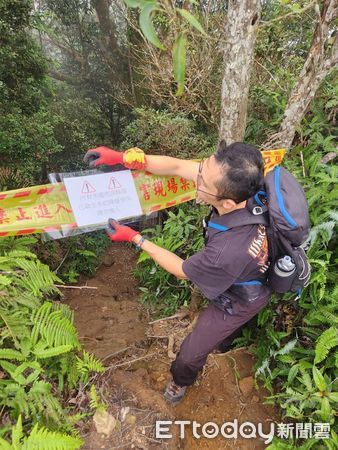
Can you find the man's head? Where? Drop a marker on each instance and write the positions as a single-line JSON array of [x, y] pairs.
[[230, 176]]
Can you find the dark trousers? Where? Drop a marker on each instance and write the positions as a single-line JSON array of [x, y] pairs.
[[213, 328]]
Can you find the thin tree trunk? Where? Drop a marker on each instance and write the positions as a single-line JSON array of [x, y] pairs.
[[240, 31], [106, 24], [322, 57]]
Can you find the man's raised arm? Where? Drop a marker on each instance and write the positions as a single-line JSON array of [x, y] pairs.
[[167, 165], [135, 158]]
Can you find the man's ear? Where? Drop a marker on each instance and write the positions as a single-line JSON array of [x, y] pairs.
[[227, 203]]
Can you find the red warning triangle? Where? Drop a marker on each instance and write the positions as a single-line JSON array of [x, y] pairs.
[[87, 188], [114, 184]]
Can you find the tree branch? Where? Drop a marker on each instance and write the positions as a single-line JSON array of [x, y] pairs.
[[285, 16], [63, 77], [321, 58]]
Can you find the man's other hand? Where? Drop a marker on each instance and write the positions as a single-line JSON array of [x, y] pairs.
[[118, 233]]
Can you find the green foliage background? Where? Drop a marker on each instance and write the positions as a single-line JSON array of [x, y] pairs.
[[40, 355]]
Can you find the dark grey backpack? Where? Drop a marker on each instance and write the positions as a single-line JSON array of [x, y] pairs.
[[288, 228]]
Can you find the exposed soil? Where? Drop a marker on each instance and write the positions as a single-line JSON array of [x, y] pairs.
[[114, 325]]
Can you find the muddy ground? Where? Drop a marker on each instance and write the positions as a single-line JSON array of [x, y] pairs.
[[137, 350]]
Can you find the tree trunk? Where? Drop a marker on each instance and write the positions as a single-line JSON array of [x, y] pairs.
[[240, 31], [107, 26], [322, 57]]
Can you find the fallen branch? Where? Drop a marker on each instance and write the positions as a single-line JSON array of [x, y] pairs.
[[116, 353], [90, 338], [179, 315], [328, 157], [125, 363], [165, 336], [63, 260], [75, 287]]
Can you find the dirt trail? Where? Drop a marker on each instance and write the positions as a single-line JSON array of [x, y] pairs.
[[114, 325]]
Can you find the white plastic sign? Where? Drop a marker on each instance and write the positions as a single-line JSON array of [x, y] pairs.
[[96, 198]]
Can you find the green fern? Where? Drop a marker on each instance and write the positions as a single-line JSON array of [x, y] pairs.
[[54, 327], [51, 352], [16, 372], [326, 227], [16, 243], [66, 311], [68, 370], [88, 364], [9, 353], [40, 439], [35, 402], [95, 401], [42, 401], [38, 278], [326, 314], [16, 253], [39, 316], [326, 341], [13, 325], [37, 343], [43, 439], [5, 281]]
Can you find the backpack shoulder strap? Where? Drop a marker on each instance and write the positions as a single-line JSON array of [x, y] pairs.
[[249, 219]]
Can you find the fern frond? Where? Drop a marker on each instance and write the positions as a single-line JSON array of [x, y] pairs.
[[43, 439], [17, 433], [59, 330], [322, 315], [43, 402], [15, 254], [88, 364], [264, 367], [66, 310], [326, 341], [13, 325], [38, 278], [327, 227], [9, 353], [287, 348], [4, 445], [53, 327], [333, 295], [16, 243], [55, 351], [334, 215], [95, 400], [5, 281], [69, 369], [38, 318], [40, 439], [25, 298]]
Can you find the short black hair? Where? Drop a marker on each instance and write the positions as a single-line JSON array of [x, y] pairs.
[[242, 169]]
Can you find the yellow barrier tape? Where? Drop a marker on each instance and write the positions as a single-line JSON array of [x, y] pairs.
[[46, 208]]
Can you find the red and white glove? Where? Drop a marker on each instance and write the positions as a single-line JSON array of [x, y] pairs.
[[118, 233], [133, 158]]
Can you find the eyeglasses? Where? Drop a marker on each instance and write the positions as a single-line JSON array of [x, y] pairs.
[[200, 167]]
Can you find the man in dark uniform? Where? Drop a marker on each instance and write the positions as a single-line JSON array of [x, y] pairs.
[[230, 270]]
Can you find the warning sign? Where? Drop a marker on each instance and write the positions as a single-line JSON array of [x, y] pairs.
[[114, 184], [87, 188], [112, 197]]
